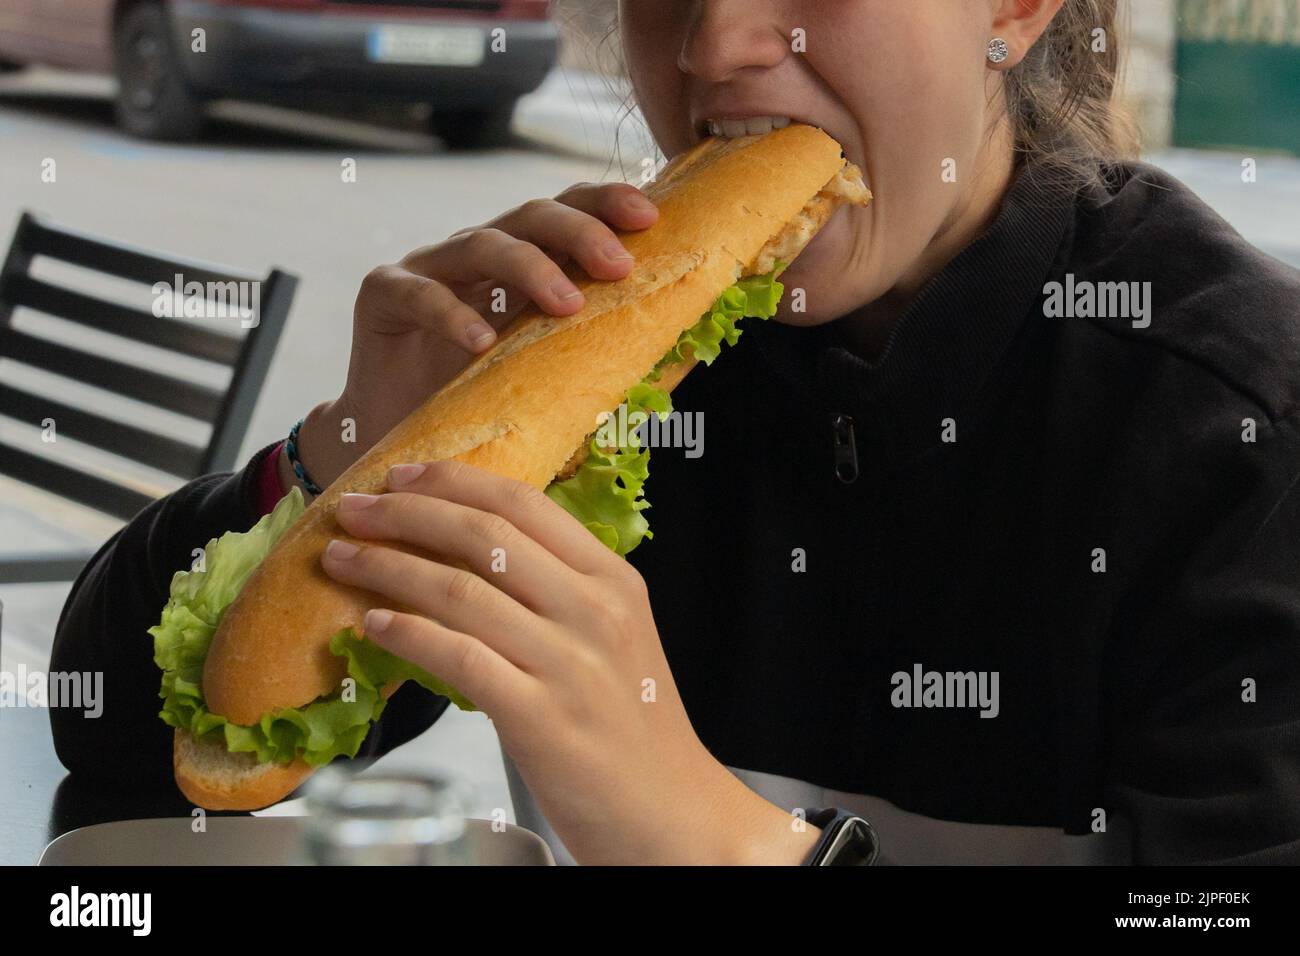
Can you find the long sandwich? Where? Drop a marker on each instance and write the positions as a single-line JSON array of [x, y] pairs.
[[266, 674]]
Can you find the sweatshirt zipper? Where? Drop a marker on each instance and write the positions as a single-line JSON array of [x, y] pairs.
[[846, 448]]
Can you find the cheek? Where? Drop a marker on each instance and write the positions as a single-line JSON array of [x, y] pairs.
[[652, 36], [666, 112], [916, 94], [911, 88], [902, 69]]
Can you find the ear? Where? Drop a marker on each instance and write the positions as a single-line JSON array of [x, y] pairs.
[[1020, 23]]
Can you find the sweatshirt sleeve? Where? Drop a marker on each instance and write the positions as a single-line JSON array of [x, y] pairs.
[[1205, 757], [267, 490], [120, 594]]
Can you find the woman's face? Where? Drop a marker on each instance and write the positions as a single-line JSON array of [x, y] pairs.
[[904, 86]]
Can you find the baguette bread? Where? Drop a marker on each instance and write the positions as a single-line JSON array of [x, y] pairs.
[[728, 209]]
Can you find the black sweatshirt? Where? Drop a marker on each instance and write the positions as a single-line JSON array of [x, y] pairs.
[[1091, 517]]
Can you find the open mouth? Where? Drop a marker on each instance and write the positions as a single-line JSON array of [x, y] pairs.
[[736, 127], [748, 126]]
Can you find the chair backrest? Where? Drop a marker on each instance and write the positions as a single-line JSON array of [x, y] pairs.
[[228, 411]]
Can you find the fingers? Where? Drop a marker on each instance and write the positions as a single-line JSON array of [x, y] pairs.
[[520, 252], [494, 254], [495, 685], [457, 599], [620, 205], [394, 300], [577, 224], [573, 234], [487, 543], [527, 509]]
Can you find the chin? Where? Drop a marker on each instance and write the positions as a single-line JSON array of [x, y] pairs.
[[823, 272], [821, 299], [820, 273], [803, 320]]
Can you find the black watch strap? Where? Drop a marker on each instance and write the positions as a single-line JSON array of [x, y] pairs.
[[846, 840]]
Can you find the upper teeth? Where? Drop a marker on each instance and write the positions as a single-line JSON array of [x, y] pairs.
[[753, 126]]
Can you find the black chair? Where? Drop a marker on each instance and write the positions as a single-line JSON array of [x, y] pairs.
[[228, 412]]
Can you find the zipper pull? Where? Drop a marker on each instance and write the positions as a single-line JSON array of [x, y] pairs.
[[846, 449]]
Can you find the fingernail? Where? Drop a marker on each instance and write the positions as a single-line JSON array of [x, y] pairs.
[[639, 203], [479, 334], [377, 621], [341, 550], [564, 289], [404, 474], [354, 501], [614, 252]]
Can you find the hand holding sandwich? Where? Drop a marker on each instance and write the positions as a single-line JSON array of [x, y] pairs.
[[417, 323], [551, 634], [270, 666]]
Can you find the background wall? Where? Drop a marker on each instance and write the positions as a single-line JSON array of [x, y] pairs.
[[1149, 70]]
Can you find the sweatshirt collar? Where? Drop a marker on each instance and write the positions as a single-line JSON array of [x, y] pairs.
[[946, 346]]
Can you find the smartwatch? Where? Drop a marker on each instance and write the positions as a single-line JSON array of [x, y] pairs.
[[846, 840]]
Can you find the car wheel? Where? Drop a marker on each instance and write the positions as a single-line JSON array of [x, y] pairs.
[[153, 99], [473, 129]]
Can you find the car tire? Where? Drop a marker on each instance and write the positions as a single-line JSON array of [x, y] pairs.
[[487, 128], [153, 99]]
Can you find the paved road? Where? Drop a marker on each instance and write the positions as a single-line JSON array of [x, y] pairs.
[[265, 189]]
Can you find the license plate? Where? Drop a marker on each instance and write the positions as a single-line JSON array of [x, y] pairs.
[[427, 46]]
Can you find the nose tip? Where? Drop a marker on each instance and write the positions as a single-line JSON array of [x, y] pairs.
[[717, 47]]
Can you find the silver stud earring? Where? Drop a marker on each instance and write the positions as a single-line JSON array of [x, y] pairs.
[[998, 50]]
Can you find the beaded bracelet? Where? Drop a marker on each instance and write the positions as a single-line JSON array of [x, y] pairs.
[[291, 446]]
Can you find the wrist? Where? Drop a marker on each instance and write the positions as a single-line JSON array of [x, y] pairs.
[[323, 447], [747, 830], [774, 837]]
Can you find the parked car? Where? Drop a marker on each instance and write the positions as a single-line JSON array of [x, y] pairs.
[[469, 60]]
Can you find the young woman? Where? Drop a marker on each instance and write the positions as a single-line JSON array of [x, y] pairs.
[[997, 545]]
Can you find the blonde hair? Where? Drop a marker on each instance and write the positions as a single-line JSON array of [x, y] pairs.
[[1062, 99]]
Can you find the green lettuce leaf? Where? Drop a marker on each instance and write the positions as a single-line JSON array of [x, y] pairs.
[[756, 297], [324, 729], [606, 493]]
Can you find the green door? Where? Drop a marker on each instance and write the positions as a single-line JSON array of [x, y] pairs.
[[1238, 66]]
